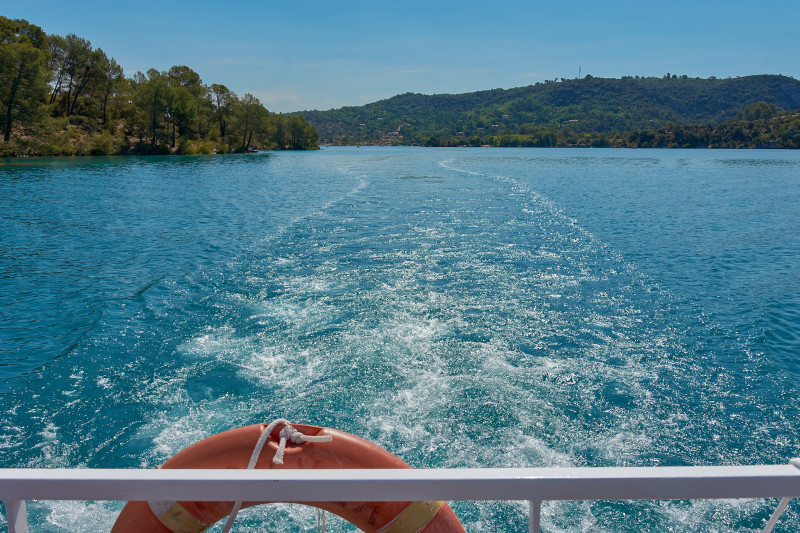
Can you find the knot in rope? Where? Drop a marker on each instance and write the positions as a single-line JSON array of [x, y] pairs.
[[288, 433]]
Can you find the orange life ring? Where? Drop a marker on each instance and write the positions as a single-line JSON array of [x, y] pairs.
[[232, 449]]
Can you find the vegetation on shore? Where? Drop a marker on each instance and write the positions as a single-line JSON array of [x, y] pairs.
[[758, 126], [668, 111], [61, 96]]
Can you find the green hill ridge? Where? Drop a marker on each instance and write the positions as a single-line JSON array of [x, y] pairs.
[[569, 112]]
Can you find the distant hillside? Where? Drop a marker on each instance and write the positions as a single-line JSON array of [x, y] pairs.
[[579, 106]]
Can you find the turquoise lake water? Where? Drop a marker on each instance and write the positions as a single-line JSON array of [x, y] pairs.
[[459, 307]]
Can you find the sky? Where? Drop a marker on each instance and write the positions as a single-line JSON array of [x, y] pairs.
[[304, 54]]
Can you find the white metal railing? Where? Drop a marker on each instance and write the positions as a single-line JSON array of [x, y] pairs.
[[532, 484]]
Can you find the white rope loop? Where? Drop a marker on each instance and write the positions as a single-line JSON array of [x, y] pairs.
[[286, 434], [289, 433]]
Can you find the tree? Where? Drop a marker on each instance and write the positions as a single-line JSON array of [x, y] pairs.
[[185, 77], [181, 109], [152, 96], [302, 135], [280, 136], [23, 73], [205, 114], [759, 110], [76, 70], [109, 82], [221, 99], [57, 64], [186, 91], [251, 115]]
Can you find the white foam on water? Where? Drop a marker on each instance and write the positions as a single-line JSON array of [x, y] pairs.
[[283, 367], [295, 314], [50, 432], [53, 453], [217, 342], [711, 515], [80, 517], [414, 419], [571, 517], [179, 434], [186, 419], [11, 436]]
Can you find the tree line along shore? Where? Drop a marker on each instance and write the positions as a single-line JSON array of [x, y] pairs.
[[757, 126], [61, 96]]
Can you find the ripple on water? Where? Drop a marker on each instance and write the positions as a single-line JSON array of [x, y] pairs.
[[460, 308]]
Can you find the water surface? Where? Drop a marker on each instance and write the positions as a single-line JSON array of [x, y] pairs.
[[460, 307]]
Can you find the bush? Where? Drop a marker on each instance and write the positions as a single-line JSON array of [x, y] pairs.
[[7, 149], [162, 149], [186, 147], [104, 144], [142, 148]]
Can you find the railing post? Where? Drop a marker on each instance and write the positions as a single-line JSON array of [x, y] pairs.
[[17, 516], [534, 516], [776, 515]]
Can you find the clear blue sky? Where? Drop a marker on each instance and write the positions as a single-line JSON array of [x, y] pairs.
[[307, 54]]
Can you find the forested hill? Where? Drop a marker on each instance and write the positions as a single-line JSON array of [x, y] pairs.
[[570, 106], [60, 95]]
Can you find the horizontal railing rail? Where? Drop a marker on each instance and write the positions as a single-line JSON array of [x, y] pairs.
[[532, 484]]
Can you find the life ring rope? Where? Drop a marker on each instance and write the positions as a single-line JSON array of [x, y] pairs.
[[287, 433]]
